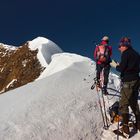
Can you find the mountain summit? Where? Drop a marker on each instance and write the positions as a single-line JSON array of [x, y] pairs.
[[59, 104], [23, 64]]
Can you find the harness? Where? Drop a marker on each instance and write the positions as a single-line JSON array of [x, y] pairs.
[[103, 53]]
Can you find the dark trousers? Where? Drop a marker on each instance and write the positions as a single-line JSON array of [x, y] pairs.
[[129, 97], [99, 68]]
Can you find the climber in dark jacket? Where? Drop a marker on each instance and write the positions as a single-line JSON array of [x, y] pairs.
[[129, 67]]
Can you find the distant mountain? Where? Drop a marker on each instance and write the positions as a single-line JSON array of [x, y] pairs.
[[24, 64]]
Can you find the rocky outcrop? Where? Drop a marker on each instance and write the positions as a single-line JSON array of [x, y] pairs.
[[18, 67]]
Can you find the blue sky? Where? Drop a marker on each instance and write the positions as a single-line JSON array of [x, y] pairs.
[[75, 25]]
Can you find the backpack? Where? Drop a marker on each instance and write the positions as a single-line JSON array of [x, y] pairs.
[[114, 113], [103, 54]]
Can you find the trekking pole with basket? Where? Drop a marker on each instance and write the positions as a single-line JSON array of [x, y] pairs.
[[104, 105], [105, 124], [118, 125]]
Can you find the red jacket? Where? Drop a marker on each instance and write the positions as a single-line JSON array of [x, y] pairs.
[[100, 47]]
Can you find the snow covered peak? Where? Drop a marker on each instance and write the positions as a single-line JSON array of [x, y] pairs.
[[46, 49], [37, 42], [33, 56]]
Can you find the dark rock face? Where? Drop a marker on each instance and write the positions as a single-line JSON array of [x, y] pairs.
[[18, 67]]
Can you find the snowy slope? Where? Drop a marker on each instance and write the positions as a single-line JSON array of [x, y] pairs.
[[61, 62], [58, 107]]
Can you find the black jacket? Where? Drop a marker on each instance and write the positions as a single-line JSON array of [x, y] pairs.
[[129, 65]]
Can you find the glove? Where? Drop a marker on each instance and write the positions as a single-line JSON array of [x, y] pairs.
[[114, 64]]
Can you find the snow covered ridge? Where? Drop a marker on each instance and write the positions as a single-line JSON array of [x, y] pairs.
[[60, 106], [46, 49], [25, 63], [63, 61]]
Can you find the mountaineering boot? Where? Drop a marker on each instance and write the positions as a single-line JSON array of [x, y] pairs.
[[104, 90], [125, 128], [123, 131]]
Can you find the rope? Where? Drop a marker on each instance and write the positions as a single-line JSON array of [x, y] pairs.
[[113, 96]]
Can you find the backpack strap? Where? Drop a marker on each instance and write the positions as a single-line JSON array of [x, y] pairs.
[[97, 55], [105, 50]]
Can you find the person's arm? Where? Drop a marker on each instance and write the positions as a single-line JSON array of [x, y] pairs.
[[110, 50], [123, 64], [95, 53]]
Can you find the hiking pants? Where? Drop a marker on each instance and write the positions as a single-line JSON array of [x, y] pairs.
[[129, 97], [99, 68]]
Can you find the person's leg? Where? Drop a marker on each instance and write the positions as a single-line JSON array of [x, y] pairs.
[[98, 71], [106, 75], [136, 111], [134, 102], [123, 107]]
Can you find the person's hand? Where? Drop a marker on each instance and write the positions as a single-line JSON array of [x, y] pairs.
[[114, 64]]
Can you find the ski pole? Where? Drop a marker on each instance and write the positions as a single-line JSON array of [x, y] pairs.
[[99, 101], [118, 111], [101, 108], [104, 107]]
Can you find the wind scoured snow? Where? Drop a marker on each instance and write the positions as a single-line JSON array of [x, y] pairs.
[[60, 106], [46, 49], [60, 62]]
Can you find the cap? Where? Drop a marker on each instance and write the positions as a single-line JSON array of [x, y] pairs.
[[125, 41], [105, 38]]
